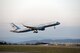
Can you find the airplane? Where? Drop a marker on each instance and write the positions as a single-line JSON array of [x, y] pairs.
[[35, 29]]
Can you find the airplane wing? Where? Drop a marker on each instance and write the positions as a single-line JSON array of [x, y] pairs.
[[28, 26], [43, 26]]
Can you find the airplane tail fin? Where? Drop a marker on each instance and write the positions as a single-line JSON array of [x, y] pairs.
[[14, 26]]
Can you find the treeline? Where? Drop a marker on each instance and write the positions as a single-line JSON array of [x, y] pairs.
[[37, 43], [4, 43]]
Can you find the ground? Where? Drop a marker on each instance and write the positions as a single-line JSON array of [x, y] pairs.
[[38, 49]]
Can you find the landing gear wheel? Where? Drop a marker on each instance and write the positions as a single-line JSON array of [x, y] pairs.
[[35, 31]]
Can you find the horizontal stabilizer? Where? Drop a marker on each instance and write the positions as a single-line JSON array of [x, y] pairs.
[[14, 26]]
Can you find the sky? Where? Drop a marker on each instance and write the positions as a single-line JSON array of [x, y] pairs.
[[35, 12]]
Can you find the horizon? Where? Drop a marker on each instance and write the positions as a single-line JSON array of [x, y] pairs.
[[42, 40]]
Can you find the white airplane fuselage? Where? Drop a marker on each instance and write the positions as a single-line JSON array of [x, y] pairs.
[[31, 28]]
